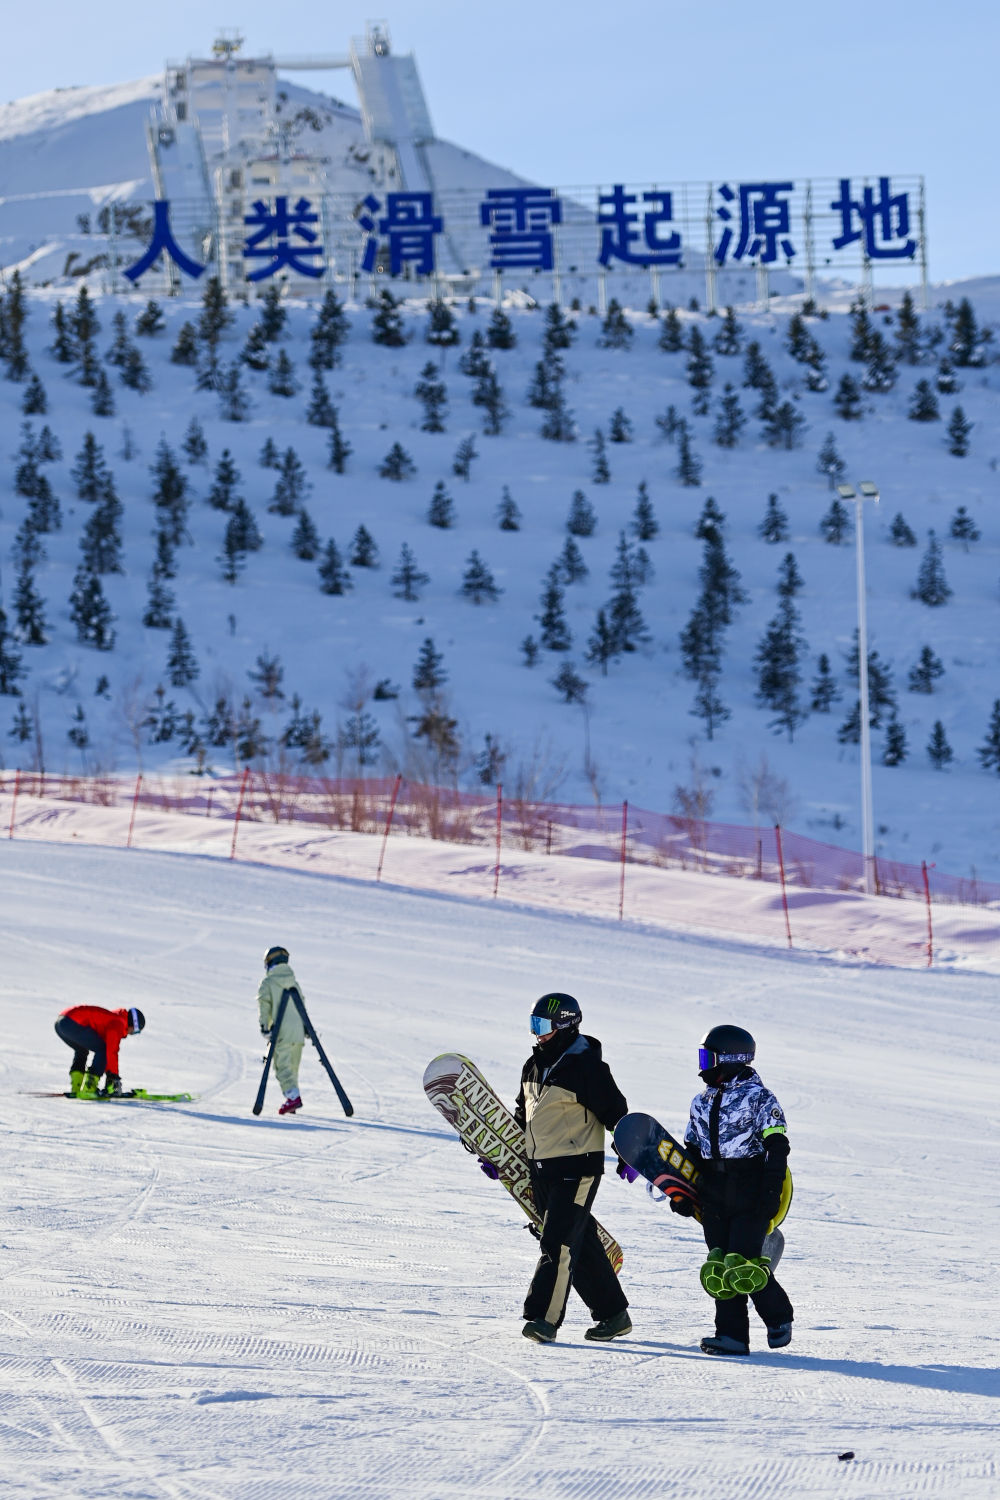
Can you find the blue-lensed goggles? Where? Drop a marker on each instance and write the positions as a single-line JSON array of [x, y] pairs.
[[542, 1025], [708, 1060]]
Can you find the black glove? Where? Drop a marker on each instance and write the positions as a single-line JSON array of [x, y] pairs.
[[265, 1030], [681, 1204], [770, 1201], [112, 1085]]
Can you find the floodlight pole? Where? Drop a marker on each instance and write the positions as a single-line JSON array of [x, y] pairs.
[[865, 491]]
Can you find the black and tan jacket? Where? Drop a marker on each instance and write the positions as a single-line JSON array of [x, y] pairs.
[[567, 1100]]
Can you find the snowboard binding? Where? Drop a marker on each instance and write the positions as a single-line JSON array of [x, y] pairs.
[[733, 1275]]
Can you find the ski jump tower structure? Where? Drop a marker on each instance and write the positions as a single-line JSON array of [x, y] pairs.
[[220, 139]]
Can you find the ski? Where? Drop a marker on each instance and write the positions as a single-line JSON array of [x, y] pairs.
[[258, 1104], [142, 1096], [345, 1103]]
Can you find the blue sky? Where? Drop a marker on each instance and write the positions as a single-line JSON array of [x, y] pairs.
[[651, 91]]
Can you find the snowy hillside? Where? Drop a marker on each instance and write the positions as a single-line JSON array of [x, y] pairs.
[[198, 1304], [635, 735]]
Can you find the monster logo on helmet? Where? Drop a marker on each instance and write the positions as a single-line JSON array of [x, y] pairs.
[[555, 1012]]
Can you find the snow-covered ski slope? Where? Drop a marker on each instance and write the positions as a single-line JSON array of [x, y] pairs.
[[207, 1307]]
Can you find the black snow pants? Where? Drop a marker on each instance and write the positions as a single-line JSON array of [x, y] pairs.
[[83, 1040], [571, 1253], [743, 1232]]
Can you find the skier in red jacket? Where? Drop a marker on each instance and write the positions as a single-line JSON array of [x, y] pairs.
[[91, 1028]]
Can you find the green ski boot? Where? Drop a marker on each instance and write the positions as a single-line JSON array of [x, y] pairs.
[[742, 1276], [713, 1276], [76, 1077], [90, 1087]]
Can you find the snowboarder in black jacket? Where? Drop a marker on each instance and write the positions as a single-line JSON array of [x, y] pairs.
[[737, 1128], [567, 1100]]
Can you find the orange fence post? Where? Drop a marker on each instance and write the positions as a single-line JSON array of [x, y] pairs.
[[930, 924], [496, 867], [388, 824], [13, 805], [239, 809], [784, 896], [621, 883], [135, 803]]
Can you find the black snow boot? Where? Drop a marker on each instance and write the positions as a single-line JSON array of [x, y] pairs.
[[721, 1343]]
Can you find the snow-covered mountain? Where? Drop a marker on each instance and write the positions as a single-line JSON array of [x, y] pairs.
[[637, 736]]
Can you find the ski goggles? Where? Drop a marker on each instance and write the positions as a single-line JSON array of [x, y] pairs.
[[542, 1025], [133, 1022], [708, 1060]]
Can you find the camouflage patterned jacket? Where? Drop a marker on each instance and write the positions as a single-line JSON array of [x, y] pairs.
[[735, 1121]]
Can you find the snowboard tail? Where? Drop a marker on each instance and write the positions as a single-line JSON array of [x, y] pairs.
[[487, 1129]]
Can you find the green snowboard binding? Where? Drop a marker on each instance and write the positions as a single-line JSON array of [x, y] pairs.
[[733, 1275]]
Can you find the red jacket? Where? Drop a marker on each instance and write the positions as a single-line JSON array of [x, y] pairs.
[[111, 1026]]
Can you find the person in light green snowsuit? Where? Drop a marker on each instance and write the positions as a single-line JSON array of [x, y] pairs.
[[278, 977]]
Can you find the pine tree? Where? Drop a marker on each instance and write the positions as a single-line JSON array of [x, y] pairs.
[[22, 726], [939, 752], [340, 449], [364, 553], [101, 543], [170, 493], [628, 628], [61, 347], [272, 315], [908, 332], [29, 608], [320, 412], [781, 430], [708, 705], [945, 381], [989, 751], [11, 670], [688, 469], [616, 331], [328, 333], [47, 448], [34, 402], [44, 511], [777, 661], [281, 381], [442, 328], [729, 419], [90, 611], [185, 350], [243, 525], [932, 586], [397, 464], [267, 677], [900, 533], [671, 339], [234, 404], [83, 321], [554, 631], [441, 511], [923, 403], [774, 527], [601, 473], [360, 734], [699, 364], [478, 582], [582, 520], [474, 361], [102, 402], [830, 462], [256, 354], [861, 331], [387, 324], [880, 365], [790, 580], [408, 580], [965, 344], [825, 691], [269, 456], [645, 526], [222, 495], [836, 523], [926, 672], [135, 373], [559, 330], [958, 433], [601, 644], [558, 425], [305, 538], [847, 401], [711, 523], [432, 392], [215, 316], [429, 673], [881, 693], [334, 577], [232, 559], [531, 650], [194, 445], [729, 337], [159, 611], [508, 513], [461, 464], [165, 564], [895, 743], [500, 333], [150, 321], [489, 395], [569, 684], [620, 427], [292, 486], [963, 528], [89, 473], [570, 564]]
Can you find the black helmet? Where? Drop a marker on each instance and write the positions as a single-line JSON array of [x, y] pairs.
[[724, 1051], [136, 1021], [275, 956], [555, 1012]]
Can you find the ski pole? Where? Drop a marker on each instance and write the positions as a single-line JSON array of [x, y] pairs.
[[259, 1102], [348, 1107]]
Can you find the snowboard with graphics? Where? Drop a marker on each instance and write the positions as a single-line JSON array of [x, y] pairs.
[[671, 1169], [487, 1129]]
